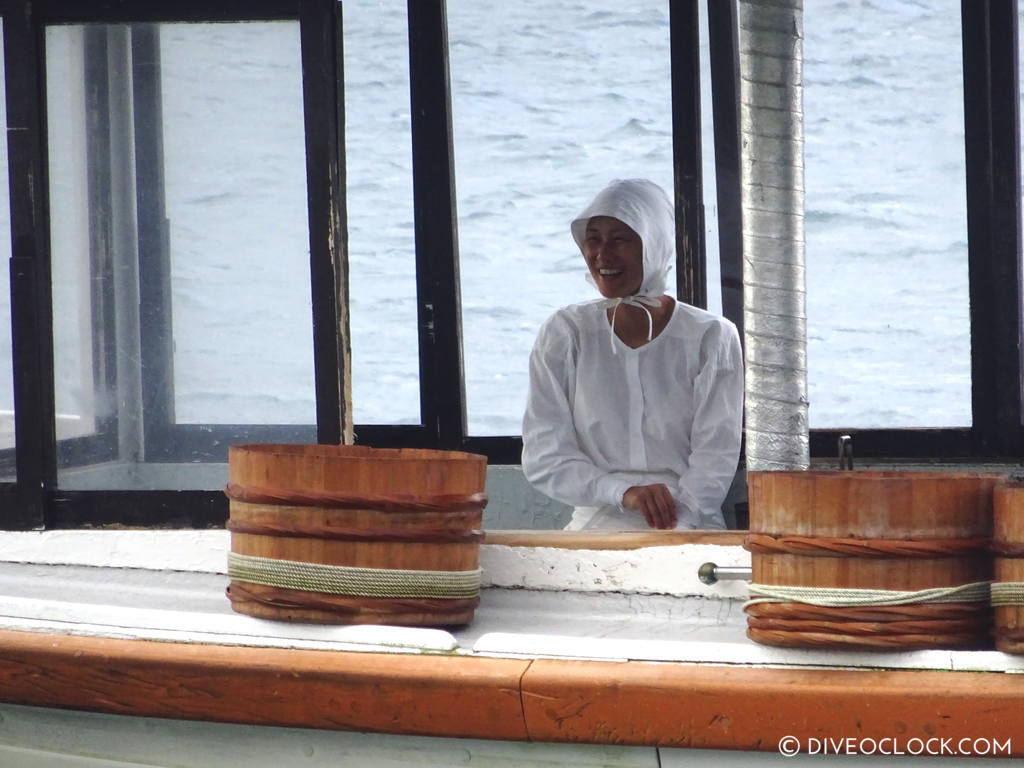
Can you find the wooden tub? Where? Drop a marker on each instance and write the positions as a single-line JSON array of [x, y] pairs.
[[895, 560], [1008, 549], [355, 535]]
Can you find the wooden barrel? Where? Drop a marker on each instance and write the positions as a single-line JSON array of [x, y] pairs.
[[355, 535], [1008, 551], [844, 559]]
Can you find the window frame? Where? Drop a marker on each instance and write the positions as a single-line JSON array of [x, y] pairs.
[[34, 499], [428, 50], [993, 191], [991, 98]]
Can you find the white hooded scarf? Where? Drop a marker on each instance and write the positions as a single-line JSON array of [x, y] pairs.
[[602, 418], [645, 207]]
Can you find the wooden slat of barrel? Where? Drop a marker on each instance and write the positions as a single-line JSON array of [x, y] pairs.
[[343, 468], [892, 506], [1008, 544], [867, 504], [441, 539]]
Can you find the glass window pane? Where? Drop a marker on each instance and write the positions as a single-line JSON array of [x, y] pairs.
[[180, 246], [708, 171], [234, 159], [567, 98], [886, 226], [75, 381], [381, 250], [7, 471]]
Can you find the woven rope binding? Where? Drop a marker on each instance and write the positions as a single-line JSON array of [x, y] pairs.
[[838, 598], [387, 503], [762, 543], [1007, 593], [1008, 548], [350, 580], [419, 534]]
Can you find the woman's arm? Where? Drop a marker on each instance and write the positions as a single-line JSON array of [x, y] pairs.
[[717, 429], [552, 459]]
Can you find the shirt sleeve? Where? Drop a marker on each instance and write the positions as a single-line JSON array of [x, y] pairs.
[[716, 432], [552, 459]]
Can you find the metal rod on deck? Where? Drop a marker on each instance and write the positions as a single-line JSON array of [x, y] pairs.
[[709, 573]]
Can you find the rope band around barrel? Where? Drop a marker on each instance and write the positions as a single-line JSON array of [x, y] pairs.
[[417, 535], [398, 502], [1007, 593], [834, 597], [1007, 548], [762, 543], [350, 580]]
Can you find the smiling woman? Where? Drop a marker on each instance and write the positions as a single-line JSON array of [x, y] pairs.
[[635, 404]]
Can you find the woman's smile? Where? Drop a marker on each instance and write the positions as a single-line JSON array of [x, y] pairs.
[[614, 255]]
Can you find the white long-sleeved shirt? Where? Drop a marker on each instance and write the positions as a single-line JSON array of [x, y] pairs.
[[598, 422]]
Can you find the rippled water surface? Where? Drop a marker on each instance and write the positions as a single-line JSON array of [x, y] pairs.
[[550, 102]]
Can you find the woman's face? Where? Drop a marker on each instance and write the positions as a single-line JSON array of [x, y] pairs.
[[614, 255]]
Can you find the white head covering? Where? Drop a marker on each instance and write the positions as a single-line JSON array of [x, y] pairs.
[[645, 207]]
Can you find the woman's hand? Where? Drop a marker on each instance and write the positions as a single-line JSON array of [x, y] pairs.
[[654, 502]]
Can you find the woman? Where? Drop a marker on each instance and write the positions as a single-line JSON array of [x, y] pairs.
[[635, 406]]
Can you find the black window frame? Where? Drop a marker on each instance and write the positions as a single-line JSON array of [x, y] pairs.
[[993, 192], [991, 100], [991, 96], [34, 499]]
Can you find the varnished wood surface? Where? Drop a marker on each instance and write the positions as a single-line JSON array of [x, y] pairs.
[[831, 507], [744, 708], [371, 552], [1009, 619], [356, 468], [1008, 531], [638, 703], [391, 693], [854, 573], [872, 505], [1008, 514], [384, 479]]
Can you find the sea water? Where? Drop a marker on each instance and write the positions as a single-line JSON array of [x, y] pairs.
[[550, 102]]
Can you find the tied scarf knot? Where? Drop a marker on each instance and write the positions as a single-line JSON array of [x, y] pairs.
[[633, 301]]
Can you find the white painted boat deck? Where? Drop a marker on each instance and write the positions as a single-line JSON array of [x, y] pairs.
[[611, 605], [536, 603]]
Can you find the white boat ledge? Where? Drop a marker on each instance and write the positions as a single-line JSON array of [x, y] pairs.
[[606, 613]]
